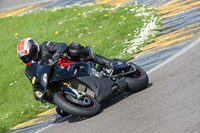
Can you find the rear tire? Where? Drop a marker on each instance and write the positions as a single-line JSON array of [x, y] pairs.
[[73, 108], [137, 81]]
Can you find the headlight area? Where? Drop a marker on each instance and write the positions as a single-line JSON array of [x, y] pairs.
[[44, 79]]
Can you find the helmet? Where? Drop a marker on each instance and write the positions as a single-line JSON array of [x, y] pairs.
[[28, 50]]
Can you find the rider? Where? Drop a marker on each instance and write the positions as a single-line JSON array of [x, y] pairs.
[[29, 52]]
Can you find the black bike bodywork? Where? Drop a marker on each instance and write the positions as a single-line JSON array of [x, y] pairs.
[[79, 88]]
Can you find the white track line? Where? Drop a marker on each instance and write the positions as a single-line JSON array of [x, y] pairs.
[[197, 41]]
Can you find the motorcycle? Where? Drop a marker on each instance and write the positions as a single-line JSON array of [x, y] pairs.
[[79, 88]]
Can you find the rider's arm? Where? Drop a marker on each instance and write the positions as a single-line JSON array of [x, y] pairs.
[[53, 47]]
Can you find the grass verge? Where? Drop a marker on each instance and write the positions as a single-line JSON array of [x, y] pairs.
[[114, 32]]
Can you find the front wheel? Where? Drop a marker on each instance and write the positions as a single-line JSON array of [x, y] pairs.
[[61, 112], [86, 106], [137, 80]]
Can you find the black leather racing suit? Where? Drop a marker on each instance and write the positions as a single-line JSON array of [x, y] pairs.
[[48, 49], [74, 50]]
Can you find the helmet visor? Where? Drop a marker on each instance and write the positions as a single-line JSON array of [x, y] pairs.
[[26, 59], [34, 51]]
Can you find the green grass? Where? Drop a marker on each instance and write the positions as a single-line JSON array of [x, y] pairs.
[[108, 30]]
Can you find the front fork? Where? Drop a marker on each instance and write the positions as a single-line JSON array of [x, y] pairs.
[[67, 89]]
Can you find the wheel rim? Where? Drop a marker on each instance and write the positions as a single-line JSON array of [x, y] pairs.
[[87, 102], [83, 102], [136, 74]]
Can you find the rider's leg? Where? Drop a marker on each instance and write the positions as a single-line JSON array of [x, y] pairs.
[[100, 59], [76, 51]]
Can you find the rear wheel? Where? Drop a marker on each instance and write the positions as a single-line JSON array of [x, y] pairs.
[[137, 80], [86, 106]]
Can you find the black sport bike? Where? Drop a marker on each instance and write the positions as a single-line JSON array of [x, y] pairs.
[[79, 88]]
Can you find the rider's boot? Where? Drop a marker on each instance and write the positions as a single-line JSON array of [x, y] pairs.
[[76, 51], [100, 59], [109, 63]]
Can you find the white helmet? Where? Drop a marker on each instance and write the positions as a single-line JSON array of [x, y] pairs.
[[28, 50]]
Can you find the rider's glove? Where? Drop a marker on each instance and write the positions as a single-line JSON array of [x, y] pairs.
[[91, 55], [57, 56]]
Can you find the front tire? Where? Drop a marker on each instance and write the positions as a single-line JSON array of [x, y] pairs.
[[61, 112], [137, 80], [64, 102]]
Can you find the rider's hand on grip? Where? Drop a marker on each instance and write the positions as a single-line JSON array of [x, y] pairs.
[[57, 56]]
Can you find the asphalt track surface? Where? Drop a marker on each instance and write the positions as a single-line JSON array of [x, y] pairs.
[[12, 4], [169, 104]]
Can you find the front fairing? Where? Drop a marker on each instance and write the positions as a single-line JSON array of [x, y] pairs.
[[31, 72], [43, 72], [70, 71], [38, 74]]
